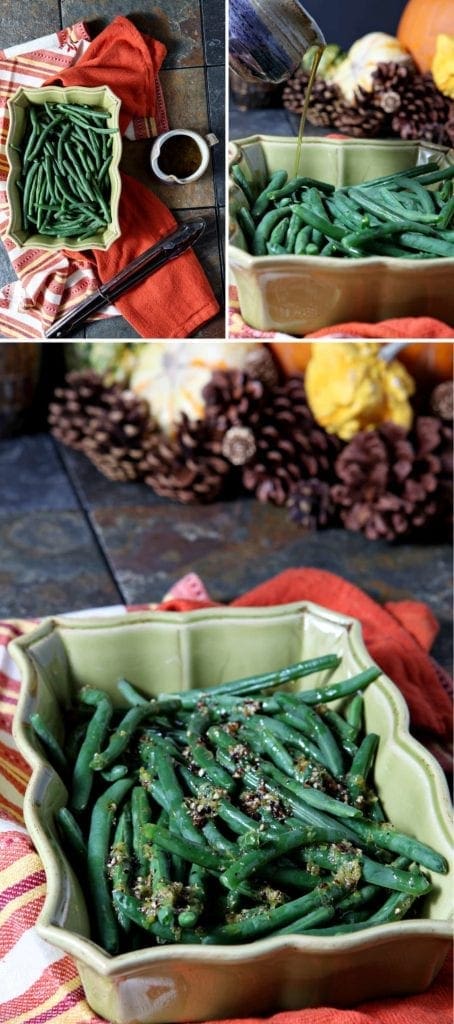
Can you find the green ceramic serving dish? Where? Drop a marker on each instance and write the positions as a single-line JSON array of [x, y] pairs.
[[301, 294], [104, 99], [168, 651]]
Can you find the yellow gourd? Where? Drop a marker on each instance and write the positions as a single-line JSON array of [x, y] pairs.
[[171, 375], [350, 388], [362, 60], [443, 65]]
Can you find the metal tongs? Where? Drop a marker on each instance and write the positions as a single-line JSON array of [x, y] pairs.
[[147, 263]]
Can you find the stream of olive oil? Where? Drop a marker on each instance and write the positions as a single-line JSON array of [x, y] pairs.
[[307, 98]]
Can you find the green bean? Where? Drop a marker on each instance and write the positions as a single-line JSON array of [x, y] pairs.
[[302, 238], [246, 224], [354, 865], [52, 747], [321, 223], [279, 677], [360, 768], [189, 917], [342, 689], [190, 851], [73, 836], [341, 729], [143, 914], [118, 771], [394, 908], [262, 202], [250, 862], [275, 249], [130, 694], [259, 924], [205, 760], [82, 777], [313, 919], [119, 740], [264, 230], [279, 233], [309, 722], [315, 797], [296, 183], [387, 838], [175, 797], [98, 849], [244, 184], [354, 713], [264, 741], [119, 864], [432, 246], [141, 816]]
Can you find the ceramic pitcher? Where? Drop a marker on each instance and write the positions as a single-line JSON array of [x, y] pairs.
[[268, 38]]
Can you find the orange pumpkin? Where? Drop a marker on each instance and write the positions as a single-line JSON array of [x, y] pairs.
[[429, 362], [291, 356], [420, 24]]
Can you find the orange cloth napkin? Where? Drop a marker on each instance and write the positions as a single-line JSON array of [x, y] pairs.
[[400, 327], [178, 299]]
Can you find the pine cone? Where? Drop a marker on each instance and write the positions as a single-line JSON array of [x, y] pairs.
[[112, 426], [234, 398], [289, 445], [390, 480], [310, 503], [363, 118], [417, 109], [441, 401], [68, 412], [189, 468], [322, 103]]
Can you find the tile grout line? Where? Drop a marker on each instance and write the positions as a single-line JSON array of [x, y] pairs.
[[78, 492]]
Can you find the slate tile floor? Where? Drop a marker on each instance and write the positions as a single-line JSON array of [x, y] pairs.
[[193, 84], [70, 539]]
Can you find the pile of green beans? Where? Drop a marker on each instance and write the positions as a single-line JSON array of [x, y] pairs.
[[230, 814], [398, 215], [64, 181]]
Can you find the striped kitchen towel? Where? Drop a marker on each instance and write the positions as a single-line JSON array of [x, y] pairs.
[[49, 282]]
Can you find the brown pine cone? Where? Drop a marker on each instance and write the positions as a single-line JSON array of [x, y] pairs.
[[234, 398], [441, 401], [289, 445], [322, 103], [111, 425], [189, 468], [390, 480], [417, 109], [361, 118], [69, 410], [310, 503]]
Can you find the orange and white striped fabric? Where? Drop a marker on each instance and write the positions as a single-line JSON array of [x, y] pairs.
[[49, 282]]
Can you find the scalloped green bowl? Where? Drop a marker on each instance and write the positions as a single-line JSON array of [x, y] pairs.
[[99, 96], [161, 651], [301, 294]]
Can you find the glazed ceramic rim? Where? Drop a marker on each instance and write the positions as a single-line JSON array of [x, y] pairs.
[[241, 258], [90, 953]]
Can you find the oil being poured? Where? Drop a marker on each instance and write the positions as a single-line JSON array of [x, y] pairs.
[[307, 99]]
